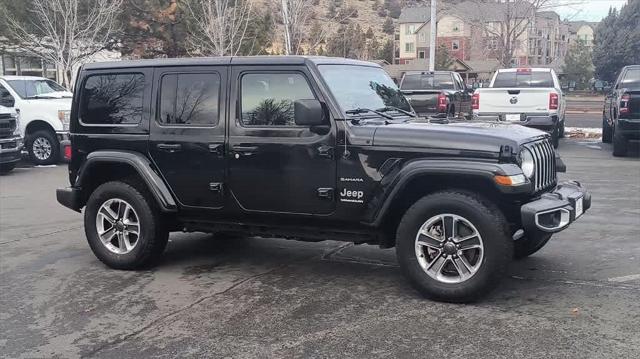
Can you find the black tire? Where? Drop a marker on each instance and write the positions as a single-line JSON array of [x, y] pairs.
[[555, 140], [607, 133], [561, 132], [490, 223], [527, 246], [7, 167], [620, 144], [153, 236], [34, 147]]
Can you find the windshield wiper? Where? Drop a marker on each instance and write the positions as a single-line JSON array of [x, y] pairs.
[[393, 108], [360, 110]]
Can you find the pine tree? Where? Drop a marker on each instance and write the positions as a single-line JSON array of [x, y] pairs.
[[387, 26], [386, 51], [617, 41]]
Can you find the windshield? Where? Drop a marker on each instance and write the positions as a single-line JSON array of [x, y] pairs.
[[427, 82], [357, 87], [30, 88], [523, 79], [631, 78]]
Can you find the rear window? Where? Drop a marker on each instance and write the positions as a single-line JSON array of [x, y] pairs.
[[427, 82], [631, 78], [523, 79], [112, 99]]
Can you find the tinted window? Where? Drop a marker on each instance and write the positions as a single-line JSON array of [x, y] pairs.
[[32, 88], [5, 97], [267, 99], [427, 82], [189, 99], [523, 79], [631, 78], [112, 99]]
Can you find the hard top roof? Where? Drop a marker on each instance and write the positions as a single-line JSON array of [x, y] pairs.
[[227, 60]]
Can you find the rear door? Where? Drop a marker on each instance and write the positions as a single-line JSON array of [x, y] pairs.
[[188, 133], [274, 164]]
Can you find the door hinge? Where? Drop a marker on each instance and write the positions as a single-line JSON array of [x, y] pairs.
[[215, 187], [325, 193]]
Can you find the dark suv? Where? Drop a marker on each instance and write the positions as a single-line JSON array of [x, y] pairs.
[[307, 148]]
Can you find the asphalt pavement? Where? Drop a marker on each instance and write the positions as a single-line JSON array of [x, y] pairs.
[[590, 120], [260, 297]]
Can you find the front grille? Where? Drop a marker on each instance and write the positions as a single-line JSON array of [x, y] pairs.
[[545, 160], [7, 126]]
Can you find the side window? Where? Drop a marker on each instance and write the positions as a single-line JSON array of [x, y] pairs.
[[112, 99], [267, 99], [5, 98], [189, 99]]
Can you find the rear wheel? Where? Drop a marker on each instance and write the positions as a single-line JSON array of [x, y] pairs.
[[7, 167], [453, 246], [620, 144], [561, 132], [555, 137], [43, 148], [123, 226], [606, 131], [528, 245]]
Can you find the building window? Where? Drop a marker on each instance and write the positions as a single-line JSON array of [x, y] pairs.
[[409, 29], [456, 27], [455, 45], [421, 55], [423, 36], [409, 47]]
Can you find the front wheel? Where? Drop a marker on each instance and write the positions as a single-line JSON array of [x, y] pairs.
[[7, 167], [123, 226], [453, 246], [43, 148]]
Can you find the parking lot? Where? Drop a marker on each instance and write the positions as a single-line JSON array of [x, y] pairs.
[[256, 297]]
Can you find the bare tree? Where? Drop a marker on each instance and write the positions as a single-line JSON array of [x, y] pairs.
[[301, 29], [502, 25], [66, 32], [218, 27]]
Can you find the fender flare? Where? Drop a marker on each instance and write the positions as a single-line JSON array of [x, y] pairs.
[[423, 167], [141, 165]]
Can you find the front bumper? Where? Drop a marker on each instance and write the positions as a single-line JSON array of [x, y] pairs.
[[556, 210], [69, 197], [10, 149]]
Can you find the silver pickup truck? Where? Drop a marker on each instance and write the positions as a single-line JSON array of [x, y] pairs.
[[529, 96]]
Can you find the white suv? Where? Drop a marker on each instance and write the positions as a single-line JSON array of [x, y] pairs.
[[44, 108]]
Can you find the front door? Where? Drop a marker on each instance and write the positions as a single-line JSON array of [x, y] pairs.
[[188, 135], [275, 165]]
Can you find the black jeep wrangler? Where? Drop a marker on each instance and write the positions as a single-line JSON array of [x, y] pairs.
[[308, 148]]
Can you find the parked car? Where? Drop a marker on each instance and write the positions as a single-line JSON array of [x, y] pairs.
[[437, 93], [529, 96], [10, 139], [44, 113], [621, 113], [309, 148]]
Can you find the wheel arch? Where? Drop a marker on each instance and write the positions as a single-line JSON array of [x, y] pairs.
[[104, 166], [432, 176], [38, 125]]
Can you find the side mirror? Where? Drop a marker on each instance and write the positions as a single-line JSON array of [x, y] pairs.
[[308, 113]]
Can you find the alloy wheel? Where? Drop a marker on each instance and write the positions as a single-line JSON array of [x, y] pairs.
[[118, 226], [42, 148], [449, 248]]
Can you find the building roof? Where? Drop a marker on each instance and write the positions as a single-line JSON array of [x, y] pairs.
[[417, 14], [228, 60]]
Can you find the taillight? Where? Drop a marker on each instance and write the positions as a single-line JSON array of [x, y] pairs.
[[624, 104], [67, 152], [475, 101], [442, 102], [553, 101]]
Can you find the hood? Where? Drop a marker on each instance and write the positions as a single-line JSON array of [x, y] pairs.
[[60, 103], [469, 136]]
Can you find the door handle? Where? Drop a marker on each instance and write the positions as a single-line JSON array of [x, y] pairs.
[[217, 148], [169, 147], [245, 150]]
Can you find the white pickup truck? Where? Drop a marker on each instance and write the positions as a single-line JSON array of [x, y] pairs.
[[529, 96]]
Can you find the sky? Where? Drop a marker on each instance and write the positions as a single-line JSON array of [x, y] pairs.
[[587, 10]]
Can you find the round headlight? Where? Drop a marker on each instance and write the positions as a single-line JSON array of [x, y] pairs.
[[528, 166]]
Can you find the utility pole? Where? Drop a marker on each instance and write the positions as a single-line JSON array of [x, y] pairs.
[[432, 42], [287, 34]]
